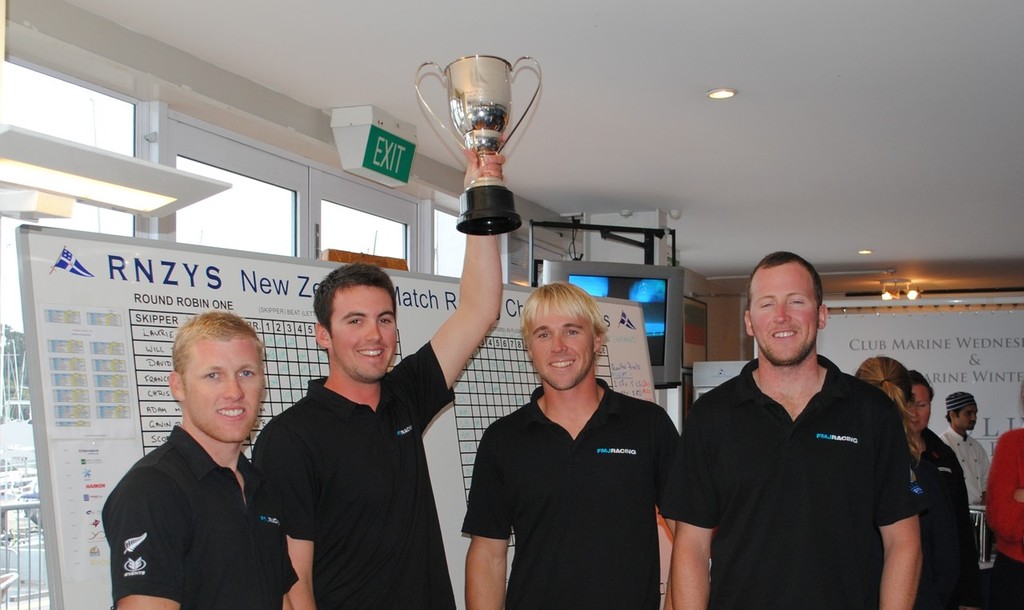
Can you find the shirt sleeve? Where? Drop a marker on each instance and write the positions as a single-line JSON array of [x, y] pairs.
[[690, 493], [894, 499], [666, 440], [939, 525], [420, 376], [1006, 515], [147, 524], [287, 462], [488, 513]]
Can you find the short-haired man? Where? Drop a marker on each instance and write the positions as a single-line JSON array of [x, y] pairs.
[[348, 459], [962, 415], [576, 473], [192, 524], [786, 471], [967, 594]]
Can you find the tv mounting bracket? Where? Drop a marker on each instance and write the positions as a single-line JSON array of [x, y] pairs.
[[609, 232]]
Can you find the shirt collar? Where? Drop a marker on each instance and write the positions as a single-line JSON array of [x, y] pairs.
[[836, 384], [200, 462], [606, 408], [317, 389]]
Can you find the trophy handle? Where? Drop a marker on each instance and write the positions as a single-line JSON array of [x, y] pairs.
[[515, 70], [423, 102]]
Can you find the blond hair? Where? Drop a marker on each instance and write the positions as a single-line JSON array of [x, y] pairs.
[[565, 299], [892, 377], [211, 326]]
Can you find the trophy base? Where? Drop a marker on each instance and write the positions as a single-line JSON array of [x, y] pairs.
[[488, 210]]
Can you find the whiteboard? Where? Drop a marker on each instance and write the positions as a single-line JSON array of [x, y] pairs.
[[101, 313]]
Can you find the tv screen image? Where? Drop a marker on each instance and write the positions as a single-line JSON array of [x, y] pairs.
[[650, 293], [657, 289]]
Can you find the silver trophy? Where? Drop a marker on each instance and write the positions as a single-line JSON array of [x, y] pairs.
[[480, 99]]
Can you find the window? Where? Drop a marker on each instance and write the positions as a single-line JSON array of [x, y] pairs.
[[345, 228], [261, 211], [45, 104], [49, 105], [449, 245], [365, 219], [252, 215]]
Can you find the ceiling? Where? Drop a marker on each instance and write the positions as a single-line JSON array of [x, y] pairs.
[[894, 126]]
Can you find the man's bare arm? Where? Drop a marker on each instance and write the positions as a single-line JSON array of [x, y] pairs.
[[301, 593], [480, 290], [486, 566], [690, 574], [146, 602], [901, 542]]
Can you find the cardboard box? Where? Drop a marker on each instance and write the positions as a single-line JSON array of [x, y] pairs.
[[344, 256]]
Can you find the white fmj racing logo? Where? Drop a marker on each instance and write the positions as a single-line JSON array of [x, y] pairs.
[[837, 437], [133, 543], [135, 567]]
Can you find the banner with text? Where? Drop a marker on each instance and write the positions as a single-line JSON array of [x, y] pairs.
[[981, 352]]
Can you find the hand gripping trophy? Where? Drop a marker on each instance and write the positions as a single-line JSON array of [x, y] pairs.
[[480, 99]]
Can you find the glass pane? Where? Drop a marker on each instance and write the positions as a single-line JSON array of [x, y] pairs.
[[252, 215], [47, 105], [344, 228], [61, 109], [449, 245]]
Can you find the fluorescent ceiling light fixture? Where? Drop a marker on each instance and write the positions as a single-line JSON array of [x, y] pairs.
[[722, 93], [865, 251], [33, 205], [45, 163]]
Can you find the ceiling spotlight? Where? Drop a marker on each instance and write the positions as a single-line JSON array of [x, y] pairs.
[[898, 288], [722, 93]]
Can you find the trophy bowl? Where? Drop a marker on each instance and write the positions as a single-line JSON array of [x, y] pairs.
[[479, 89]]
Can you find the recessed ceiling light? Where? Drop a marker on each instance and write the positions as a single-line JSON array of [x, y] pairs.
[[866, 251], [722, 93]]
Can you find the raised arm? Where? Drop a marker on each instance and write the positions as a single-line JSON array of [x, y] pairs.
[[486, 565], [480, 290]]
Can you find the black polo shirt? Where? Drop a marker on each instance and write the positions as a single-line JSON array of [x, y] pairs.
[[795, 504], [968, 587], [355, 482], [583, 510], [179, 528]]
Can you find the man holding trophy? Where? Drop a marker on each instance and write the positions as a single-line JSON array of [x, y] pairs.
[[348, 459]]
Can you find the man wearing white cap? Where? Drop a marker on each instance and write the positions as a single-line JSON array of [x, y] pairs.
[[962, 414]]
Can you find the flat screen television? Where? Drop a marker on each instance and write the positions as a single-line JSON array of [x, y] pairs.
[[659, 292]]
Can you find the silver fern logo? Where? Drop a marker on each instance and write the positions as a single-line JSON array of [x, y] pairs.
[[133, 543]]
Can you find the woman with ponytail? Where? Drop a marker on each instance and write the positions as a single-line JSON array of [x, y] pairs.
[[940, 568]]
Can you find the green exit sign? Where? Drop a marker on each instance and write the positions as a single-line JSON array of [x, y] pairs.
[[388, 154], [373, 144]]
